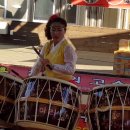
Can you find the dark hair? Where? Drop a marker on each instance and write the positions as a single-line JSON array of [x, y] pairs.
[[52, 19]]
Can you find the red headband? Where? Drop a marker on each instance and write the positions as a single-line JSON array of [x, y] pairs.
[[54, 16]]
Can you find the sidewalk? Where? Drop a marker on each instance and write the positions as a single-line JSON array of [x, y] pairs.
[[96, 62]]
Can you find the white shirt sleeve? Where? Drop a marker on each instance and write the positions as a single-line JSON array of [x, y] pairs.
[[70, 59]]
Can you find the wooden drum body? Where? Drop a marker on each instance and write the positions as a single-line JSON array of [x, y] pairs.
[[9, 90], [49, 104], [109, 107]]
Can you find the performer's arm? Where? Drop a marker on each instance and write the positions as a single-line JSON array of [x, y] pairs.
[[36, 69]]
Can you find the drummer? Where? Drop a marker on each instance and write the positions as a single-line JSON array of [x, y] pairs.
[[59, 54]]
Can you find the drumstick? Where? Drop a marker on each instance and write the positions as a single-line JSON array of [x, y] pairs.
[[41, 56], [37, 52], [16, 73]]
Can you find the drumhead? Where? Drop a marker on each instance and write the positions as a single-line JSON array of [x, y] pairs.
[[37, 125], [9, 76], [53, 79], [110, 85], [3, 124]]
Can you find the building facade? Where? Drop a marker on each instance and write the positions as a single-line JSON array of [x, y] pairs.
[[40, 10]]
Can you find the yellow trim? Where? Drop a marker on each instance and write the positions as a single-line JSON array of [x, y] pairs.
[[5, 99], [47, 101], [107, 108]]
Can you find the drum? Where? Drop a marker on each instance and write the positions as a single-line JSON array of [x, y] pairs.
[[48, 104], [109, 107], [9, 90]]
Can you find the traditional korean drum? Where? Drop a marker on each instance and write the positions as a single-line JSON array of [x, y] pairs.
[[109, 107], [48, 104], [9, 90]]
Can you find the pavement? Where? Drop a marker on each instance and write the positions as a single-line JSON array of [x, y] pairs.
[[88, 61]]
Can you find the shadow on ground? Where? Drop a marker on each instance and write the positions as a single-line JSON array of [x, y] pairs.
[[84, 38], [23, 34]]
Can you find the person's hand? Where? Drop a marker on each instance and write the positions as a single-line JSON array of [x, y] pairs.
[[45, 62]]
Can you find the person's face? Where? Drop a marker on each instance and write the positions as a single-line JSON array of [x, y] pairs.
[[57, 32]]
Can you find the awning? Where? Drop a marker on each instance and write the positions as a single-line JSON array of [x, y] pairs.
[[125, 4]]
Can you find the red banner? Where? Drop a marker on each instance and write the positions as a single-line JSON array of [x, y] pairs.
[[85, 80], [103, 3]]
